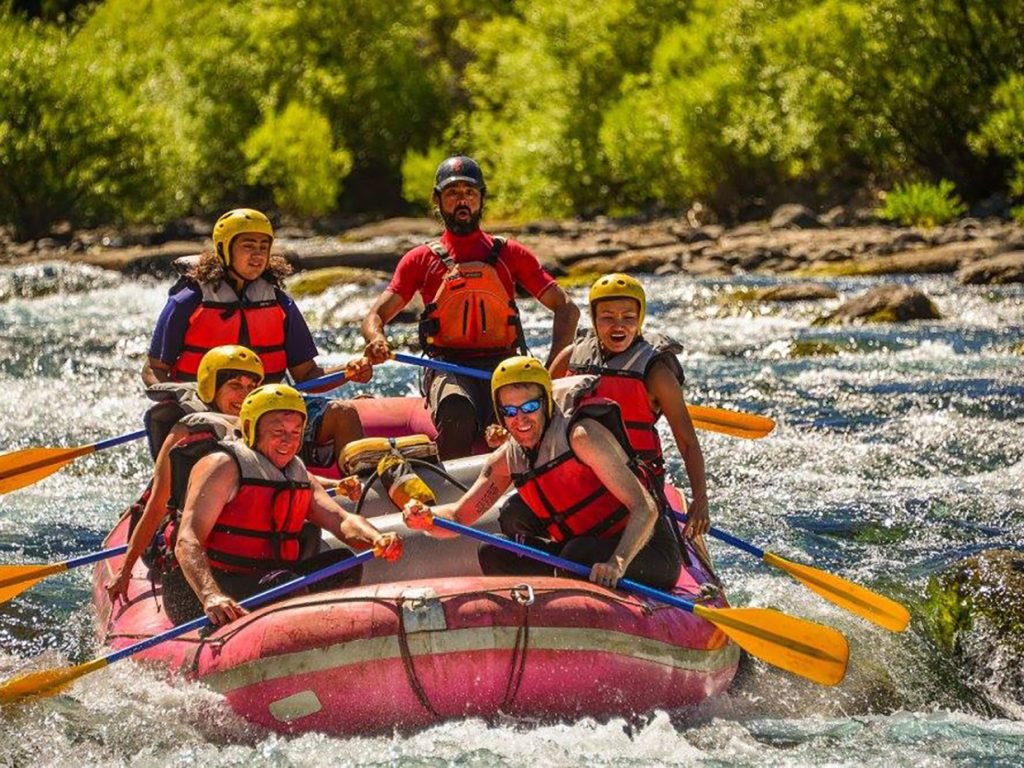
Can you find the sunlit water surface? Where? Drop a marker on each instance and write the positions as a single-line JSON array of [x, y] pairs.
[[897, 452]]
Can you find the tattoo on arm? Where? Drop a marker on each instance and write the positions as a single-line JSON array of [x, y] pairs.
[[490, 495]]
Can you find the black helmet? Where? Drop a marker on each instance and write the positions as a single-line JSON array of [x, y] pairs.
[[459, 168]]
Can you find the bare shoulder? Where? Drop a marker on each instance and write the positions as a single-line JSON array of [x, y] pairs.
[[587, 432], [216, 465]]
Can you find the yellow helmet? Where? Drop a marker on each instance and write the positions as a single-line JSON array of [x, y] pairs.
[[263, 400], [234, 223], [229, 357], [618, 286], [521, 370]]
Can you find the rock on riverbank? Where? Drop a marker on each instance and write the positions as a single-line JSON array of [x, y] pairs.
[[795, 242]]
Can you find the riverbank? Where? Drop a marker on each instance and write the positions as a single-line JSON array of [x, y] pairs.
[[793, 242]]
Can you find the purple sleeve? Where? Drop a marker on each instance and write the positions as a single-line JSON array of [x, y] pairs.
[[299, 346], [169, 334]]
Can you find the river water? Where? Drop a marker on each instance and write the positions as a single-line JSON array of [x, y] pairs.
[[898, 451]]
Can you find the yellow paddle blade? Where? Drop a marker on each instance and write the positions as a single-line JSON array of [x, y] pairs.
[[30, 465], [15, 579], [735, 423], [802, 647], [853, 597], [46, 682]]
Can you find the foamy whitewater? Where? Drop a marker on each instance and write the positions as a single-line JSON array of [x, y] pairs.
[[896, 453]]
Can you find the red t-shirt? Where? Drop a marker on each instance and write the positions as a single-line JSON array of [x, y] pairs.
[[421, 270]]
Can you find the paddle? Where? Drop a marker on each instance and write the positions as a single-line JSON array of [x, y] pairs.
[[810, 650], [29, 465], [48, 682], [15, 579], [736, 423], [19, 469], [853, 597]]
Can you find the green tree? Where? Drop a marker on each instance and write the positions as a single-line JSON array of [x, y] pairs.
[[195, 69], [758, 97], [538, 86], [70, 148], [365, 67], [1002, 133], [293, 154]]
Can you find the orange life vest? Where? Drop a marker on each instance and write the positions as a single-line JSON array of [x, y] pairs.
[[623, 379], [472, 313], [254, 319], [561, 490]]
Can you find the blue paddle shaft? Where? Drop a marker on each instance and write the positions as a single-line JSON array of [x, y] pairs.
[[250, 602], [95, 557], [560, 562], [439, 365], [111, 442], [728, 538], [337, 379]]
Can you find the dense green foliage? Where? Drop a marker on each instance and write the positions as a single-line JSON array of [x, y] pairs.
[[70, 147], [921, 204], [149, 111], [293, 153]]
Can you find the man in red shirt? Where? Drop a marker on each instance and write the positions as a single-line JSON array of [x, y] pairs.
[[467, 280]]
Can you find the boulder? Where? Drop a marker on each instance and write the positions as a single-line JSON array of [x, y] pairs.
[[648, 260], [153, 260], [423, 228], [795, 292], [706, 266], [316, 281], [997, 270], [975, 612], [884, 304], [573, 251], [793, 216]]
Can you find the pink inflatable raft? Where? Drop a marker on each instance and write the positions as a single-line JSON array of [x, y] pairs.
[[429, 638]]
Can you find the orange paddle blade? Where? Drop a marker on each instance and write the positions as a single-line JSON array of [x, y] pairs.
[[15, 579], [802, 647], [853, 597], [46, 682], [735, 423], [30, 465]]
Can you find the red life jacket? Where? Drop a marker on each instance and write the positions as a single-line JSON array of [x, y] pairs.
[[472, 313], [562, 491], [623, 379], [259, 529], [254, 319]]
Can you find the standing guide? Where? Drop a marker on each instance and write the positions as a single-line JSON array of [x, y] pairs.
[[467, 280]]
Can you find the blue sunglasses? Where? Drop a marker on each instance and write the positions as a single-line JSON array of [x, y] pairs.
[[530, 406]]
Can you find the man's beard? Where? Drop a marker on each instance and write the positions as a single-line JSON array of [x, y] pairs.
[[462, 226]]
